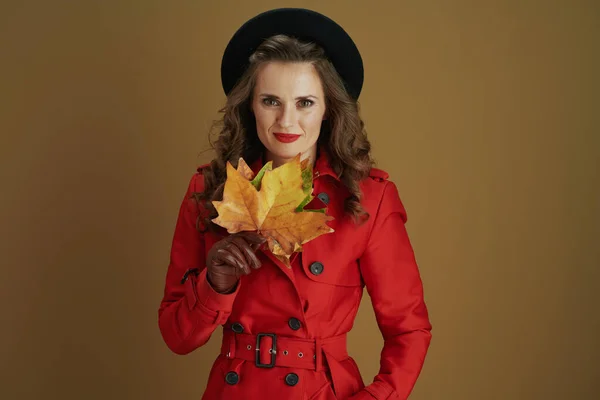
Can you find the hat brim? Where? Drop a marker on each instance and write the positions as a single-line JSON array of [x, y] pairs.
[[302, 24]]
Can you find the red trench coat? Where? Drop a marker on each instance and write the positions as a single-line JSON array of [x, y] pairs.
[[284, 331]]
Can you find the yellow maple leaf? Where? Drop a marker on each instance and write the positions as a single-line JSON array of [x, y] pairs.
[[275, 210], [245, 170]]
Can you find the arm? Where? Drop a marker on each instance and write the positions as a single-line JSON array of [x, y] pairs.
[[393, 281], [191, 310]]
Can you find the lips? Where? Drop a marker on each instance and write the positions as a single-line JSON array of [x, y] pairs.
[[286, 137]]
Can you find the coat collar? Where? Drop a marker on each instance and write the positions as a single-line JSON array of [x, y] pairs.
[[322, 166]]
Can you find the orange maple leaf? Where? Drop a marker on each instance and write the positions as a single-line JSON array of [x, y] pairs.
[[272, 203]]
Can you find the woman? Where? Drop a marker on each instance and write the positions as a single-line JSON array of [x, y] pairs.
[[284, 329]]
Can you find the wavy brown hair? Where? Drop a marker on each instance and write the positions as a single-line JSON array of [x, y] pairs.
[[342, 132]]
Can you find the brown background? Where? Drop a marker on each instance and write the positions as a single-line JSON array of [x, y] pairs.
[[486, 114]]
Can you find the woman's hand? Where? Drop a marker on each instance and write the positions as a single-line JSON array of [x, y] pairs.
[[231, 258]]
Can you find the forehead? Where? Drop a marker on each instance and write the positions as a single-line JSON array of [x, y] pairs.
[[286, 78]]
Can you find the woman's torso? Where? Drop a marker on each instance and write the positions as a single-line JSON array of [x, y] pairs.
[[314, 301]]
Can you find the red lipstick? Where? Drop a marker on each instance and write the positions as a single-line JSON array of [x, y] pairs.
[[286, 137]]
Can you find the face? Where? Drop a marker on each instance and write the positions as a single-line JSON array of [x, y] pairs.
[[289, 106]]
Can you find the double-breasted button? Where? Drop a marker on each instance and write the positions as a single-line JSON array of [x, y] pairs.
[[237, 327], [291, 379], [295, 323], [232, 378], [324, 197], [316, 268]]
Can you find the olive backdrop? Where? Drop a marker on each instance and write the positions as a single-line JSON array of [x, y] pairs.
[[485, 114]]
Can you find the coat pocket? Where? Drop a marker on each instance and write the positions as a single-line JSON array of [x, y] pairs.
[[351, 364], [345, 377], [324, 393]]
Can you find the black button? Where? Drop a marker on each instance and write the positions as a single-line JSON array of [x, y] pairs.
[[295, 323], [237, 327], [316, 268], [324, 197], [291, 379], [232, 378]]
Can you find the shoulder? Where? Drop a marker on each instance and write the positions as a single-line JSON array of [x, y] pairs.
[[192, 203], [378, 175], [376, 180], [195, 183], [381, 194], [197, 180], [373, 187], [201, 168]]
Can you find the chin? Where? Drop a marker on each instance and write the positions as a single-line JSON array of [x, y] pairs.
[[286, 150]]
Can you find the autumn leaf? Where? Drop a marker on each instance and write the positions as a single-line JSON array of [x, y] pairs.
[[272, 203], [257, 180], [245, 170], [307, 182]]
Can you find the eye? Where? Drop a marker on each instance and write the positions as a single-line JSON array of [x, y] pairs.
[[269, 101], [306, 103]]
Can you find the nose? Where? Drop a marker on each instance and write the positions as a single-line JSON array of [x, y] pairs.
[[287, 117]]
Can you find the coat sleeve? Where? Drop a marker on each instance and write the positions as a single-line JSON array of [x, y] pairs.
[[190, 309], [394, 284]]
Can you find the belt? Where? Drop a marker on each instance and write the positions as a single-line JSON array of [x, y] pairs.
[[268, 350]]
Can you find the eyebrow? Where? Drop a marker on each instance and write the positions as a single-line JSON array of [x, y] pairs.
[[297, 98]]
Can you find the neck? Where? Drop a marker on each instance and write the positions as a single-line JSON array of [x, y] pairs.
[[277, 161]]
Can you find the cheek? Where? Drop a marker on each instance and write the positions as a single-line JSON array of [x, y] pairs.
[[312, 123], [262, 120]]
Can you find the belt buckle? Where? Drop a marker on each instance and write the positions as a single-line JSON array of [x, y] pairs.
[[272, 350]]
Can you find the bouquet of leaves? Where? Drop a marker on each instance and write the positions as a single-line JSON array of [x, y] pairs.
[[272, 204]]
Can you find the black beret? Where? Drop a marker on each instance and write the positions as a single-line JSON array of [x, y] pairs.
[[302, 24]]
